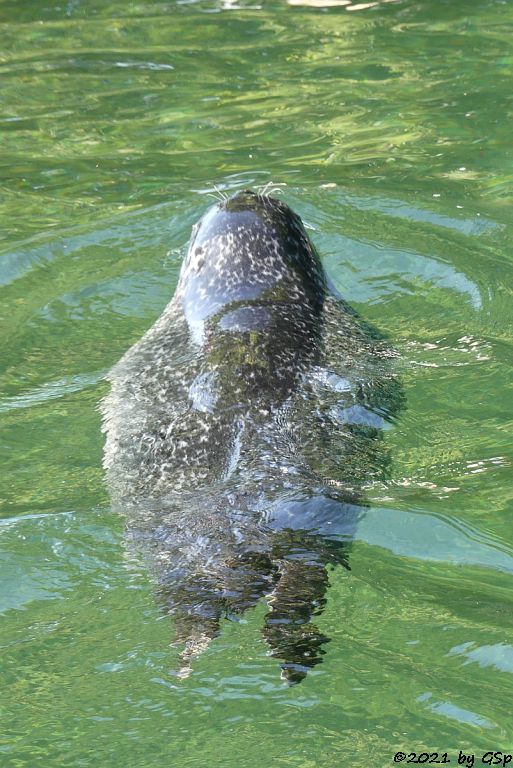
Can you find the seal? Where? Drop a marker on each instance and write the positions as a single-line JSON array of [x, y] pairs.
[[240, 429]]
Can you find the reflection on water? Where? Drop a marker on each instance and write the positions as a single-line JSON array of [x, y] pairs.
[[499, 656], [447, 709]]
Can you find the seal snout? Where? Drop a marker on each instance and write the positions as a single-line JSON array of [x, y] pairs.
[[246, 250]]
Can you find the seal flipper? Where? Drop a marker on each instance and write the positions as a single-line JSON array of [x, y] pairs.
[[198, 603], [302, 558], [288, 630], [197, 612]]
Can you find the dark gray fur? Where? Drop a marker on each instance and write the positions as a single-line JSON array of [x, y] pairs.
[[241, 428]]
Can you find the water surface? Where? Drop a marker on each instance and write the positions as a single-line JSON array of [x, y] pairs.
[[388, 127]]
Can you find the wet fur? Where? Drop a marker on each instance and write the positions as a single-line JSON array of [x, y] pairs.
[[240, 429]]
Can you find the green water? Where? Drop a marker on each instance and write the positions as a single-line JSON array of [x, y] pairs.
[[389, 128]]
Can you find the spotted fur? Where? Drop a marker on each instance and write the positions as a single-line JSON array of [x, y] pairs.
[[240, 429]]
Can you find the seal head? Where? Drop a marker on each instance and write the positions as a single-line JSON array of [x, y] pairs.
[[247, 255], [252, 277]]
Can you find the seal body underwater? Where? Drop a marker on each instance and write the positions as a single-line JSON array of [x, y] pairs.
[[241, 428]]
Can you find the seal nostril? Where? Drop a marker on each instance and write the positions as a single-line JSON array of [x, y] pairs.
[[200, 261]]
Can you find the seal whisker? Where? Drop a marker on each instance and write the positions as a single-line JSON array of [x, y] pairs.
[[217, 195], [270, 188], [222, 195], [262, 191]]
